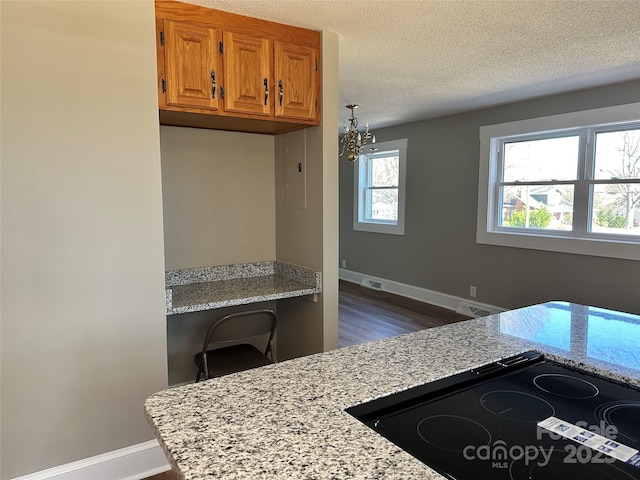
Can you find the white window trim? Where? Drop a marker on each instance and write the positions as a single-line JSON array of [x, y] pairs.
[[358, 193], [538, 241]]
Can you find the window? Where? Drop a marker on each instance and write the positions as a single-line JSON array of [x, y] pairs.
[[567, 183], [379, 187]]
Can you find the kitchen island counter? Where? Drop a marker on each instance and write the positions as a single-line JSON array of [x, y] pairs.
[[287, 420]]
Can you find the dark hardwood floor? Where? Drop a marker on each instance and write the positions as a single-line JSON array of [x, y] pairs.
[[170, 475], [365, 315]]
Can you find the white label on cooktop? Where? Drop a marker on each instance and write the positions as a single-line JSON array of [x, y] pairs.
[[608, 446]]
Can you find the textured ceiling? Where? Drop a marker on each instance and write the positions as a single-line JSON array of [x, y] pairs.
[[403, 60]]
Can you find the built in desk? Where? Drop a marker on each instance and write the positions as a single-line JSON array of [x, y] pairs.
[[207, 288]]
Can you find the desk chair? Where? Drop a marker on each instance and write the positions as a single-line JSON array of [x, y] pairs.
[[238, 328]]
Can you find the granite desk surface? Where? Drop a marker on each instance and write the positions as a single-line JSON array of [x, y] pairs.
[[287, 420], [206, 288]]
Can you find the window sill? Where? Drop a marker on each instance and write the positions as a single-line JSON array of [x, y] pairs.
[[579, 246], [379, 228]]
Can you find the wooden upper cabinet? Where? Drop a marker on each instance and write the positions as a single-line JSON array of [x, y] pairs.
[[192, 65], [247, 63], [296, 69], [225, 71]]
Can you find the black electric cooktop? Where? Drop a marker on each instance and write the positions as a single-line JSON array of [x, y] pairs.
[[525, 417]]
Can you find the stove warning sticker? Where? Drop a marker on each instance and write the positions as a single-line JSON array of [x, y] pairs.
[[607, 446]]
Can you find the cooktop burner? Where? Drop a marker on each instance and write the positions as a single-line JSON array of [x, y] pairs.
[[518, 406], [450, 427], [558, 469], [624, 416], [565, 386], [521, 418]]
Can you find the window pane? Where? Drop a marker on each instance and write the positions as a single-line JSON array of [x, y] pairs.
[[617, 155], [545, 159], [548, 207], [384, 169], [616, 209], [382, 204]]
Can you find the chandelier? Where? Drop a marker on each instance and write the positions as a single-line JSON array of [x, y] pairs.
[[353, 141]]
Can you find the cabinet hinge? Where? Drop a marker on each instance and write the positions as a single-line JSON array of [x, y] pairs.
[[164, 86], [161, 38], [316, 64], [221, 92], [220, 48]]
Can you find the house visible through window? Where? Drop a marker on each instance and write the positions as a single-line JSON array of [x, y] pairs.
[[379, 189], [573, 186], [538, 183]]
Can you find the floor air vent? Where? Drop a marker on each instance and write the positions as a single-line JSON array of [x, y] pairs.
[[369, 283], [473, 310]]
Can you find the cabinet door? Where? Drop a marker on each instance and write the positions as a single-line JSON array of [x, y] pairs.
[[297, 83], [247, 74], [192, 65]]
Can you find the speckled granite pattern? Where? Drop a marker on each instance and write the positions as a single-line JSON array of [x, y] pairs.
[[287, 420], [238, 291], [206, 288], [218, 272], [297, 273]]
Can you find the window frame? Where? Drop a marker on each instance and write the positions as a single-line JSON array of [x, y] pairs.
[[360, 223], [580, 240]]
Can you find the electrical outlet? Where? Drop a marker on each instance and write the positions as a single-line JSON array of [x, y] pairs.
[[343, 263], [472, 291]]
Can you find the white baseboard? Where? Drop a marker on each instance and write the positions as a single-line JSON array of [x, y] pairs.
[[439, 299], [130, 463]]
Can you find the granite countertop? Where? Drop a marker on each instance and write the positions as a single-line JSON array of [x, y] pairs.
[[287, 420], [206, 288]]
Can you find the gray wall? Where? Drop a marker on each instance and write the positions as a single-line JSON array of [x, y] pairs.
[[439, 251]]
